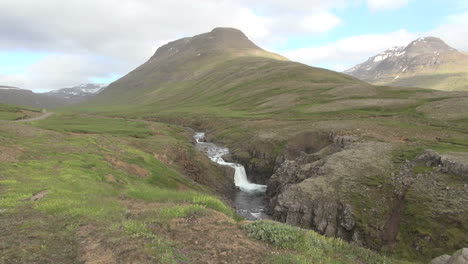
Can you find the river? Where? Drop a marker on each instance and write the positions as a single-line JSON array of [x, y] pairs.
[[249, 200]]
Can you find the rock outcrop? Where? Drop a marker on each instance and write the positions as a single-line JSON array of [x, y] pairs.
[[360, 191], [459, 257], [455, 163], [312, 190]]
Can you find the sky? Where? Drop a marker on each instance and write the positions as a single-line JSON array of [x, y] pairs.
[[52, 44]]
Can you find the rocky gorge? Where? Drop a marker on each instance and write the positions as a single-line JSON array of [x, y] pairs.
[[364, 191]]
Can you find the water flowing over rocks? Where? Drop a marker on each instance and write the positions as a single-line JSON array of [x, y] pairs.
[[249, 199]]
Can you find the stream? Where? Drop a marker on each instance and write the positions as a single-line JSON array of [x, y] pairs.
[[249, 199]]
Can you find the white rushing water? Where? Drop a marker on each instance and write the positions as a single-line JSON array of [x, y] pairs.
[[216, 153]]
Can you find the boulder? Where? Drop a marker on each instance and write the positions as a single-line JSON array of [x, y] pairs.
[[453, 162], [440, 260], [459, 257]]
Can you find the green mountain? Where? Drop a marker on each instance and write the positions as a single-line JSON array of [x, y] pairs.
[[426, 62], [220, 70], [348, 166]]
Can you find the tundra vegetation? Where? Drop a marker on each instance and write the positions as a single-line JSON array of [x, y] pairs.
[[117, 178]]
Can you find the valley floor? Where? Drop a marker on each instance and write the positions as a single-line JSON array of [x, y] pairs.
[[90, 189]]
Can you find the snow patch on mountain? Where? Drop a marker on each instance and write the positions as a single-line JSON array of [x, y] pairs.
[[79, 92]]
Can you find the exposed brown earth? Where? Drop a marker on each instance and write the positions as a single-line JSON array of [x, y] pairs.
[[128, 167]]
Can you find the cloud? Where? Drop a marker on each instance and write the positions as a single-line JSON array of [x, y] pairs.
[[58, 71], [376, 5], [347, 52], [454, 31], [128, 32], [320, 22]]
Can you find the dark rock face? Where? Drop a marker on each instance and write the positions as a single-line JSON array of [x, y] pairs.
[[309, 192], [258, 160], [342, 186]]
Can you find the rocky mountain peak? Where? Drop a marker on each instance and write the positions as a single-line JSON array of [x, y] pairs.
[[78, 93], [428, 45], [420, 57], [219, 39]]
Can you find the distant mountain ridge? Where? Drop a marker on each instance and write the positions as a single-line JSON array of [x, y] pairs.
[[57, 98], [78, 93], [4, 87], [426, 62]]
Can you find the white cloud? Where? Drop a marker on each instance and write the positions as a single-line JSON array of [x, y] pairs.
[[320, 22], [347, 52], [454, 31], [58, 71], [386, 4], [129, 31]]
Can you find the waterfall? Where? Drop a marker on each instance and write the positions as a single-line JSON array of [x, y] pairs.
[[250, 200]]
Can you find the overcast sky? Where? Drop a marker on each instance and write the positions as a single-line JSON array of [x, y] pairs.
[[52, 44]]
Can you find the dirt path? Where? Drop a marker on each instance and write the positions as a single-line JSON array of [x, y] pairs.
[[44, 116]]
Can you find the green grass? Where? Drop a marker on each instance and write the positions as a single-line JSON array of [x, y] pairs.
[[84, 188], [12, 112], [310, 247], [95, 125]]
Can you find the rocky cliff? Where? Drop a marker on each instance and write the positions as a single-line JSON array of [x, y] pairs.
[[344, 186]]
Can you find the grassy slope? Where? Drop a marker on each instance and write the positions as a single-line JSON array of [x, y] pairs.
[[112, 195], [255, 105], [450, 75], [457, 81], [12, 112], [229, 86]]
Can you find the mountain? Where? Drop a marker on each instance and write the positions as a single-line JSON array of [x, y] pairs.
[[3, 87], [27, 98], [426, 62], [78, 93], [220, 69], [53, 99]]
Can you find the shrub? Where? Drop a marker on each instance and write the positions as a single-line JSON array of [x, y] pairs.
[[280, 235]]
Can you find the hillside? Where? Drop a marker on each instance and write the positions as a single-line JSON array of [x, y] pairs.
[[13, 112], [220, 70], [426, 62], [317, 138], [27, 98]]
